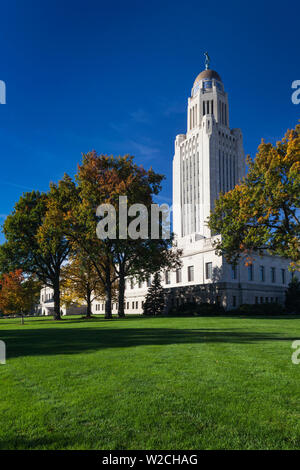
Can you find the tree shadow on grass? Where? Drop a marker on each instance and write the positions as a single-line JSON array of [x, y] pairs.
[[60, 341]]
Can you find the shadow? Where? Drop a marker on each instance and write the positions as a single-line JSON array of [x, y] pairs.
[[61, 341]]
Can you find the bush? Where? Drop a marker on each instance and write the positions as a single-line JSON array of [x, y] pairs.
[[292, 296], [261, 309], [196, 309]]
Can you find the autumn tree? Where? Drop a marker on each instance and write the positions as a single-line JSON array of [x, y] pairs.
[[104, 180], [18, 294], [80, 282], [262, 212], [34, 243]]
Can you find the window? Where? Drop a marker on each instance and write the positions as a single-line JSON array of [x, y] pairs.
[[127, 305], [167, 277], [190, 273], [250, 272], [233, 271], [131, 284], [256, 300], [283, 276], [132, 305], [234, 301], [140, 284], [208, 270], [178, 275], [262, 273], [273, 275], [136, 304]]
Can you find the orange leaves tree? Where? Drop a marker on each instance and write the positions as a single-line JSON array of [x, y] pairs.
[[101, 180], [262, 212], [17, 293], [80, 282]]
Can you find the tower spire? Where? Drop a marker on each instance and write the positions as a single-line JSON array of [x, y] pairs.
[[207, 60]]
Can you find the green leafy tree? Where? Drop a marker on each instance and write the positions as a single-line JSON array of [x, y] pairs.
[[102, 180], [35, 245], [292, 296], [262, 212], [155, 299]]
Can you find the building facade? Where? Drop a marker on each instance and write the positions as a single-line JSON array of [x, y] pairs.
[[208, 158]]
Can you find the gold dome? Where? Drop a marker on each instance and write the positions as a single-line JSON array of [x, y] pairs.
[[208, 74]]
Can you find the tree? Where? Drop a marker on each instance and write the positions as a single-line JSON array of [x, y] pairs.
[[80, 282], [17, 293], [35, 243], [155, 299], [292, 296], [103, 180], [261, 213]]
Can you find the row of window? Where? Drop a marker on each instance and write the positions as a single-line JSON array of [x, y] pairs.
[[178, 273], [227, 171], [262, 300], [262, 273], [134, 305]]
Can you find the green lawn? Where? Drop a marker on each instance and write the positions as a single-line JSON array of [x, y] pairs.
[[150, 383]]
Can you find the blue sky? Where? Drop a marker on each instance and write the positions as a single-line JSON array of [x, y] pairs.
[[115, 77]]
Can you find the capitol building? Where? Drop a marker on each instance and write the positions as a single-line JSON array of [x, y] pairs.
[[208, 158]]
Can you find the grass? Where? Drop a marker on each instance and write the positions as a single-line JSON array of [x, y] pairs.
[[150, 383]]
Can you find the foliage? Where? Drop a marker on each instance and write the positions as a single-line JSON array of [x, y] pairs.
[[261, 212], [80, 282], [34, 242], [196, 309], [17, 293], [271, 308], [102, 180], [292, 296]]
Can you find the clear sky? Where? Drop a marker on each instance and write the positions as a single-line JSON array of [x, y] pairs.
[[115, 77]]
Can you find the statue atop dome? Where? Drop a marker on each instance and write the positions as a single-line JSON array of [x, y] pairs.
[[207, 60]]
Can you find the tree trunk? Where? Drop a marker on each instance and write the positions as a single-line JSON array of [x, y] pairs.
[[56, 288], [121, 312], [108, 313], [89, 304]]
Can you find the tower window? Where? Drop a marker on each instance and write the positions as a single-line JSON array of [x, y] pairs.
[[283, 276], [262, 273]]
